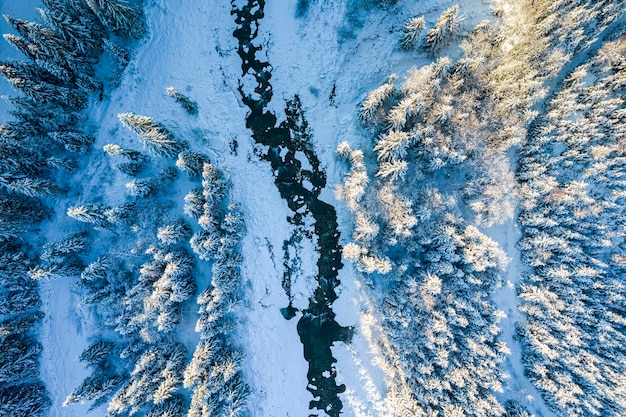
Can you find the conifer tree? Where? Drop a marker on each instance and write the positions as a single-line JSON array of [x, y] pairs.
[[97, 352], [373, 107], [76, 23], [119, 16], [446, 28], [32, 187], [28, 399], [412, 30], [90, 213], [71, 244], [190, 107], [73, 141], [192, 163], [155, 137], [194, 203], [69, 165], [174, 233]]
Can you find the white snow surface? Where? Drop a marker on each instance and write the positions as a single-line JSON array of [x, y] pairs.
[[190, 47]]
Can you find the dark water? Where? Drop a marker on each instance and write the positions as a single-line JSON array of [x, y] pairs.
[[300, 188]]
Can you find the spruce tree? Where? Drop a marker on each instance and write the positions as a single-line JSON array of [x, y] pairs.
[[191, 163], [154, 136], [412, 30], [119, 16], [76, 24], [90, 213], [190, 106], [446, 28]]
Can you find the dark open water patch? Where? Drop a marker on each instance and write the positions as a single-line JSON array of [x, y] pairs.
[[300, 188]]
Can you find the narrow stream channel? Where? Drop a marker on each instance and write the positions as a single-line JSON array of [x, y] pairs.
[[300, 188]]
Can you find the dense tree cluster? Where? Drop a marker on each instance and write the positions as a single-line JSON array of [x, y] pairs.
[[430, 273], [142, 298], [214, 373], [455, 119], [45, 135], [572, 212], [103, 381], [21, 391]]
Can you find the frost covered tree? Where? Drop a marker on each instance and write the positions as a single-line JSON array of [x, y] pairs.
[[65, 164], [392, 170], [354, 184], [19, 360], [158, 363], [90, 213], [173, 233], [97, 352], [154, 136], [136, 159], [76, 24], [214, 185], [173, 405], [73, 141], [446, 28], [206, 245], [192, 163], [412, 30], [374, 106], [24, 400], [491, 191], [143, 187], [119, 16], [121, 58], [194, 203], [31, 187], [49, 50], [70, 244], [392, 146], [41, 86], [116, 150], [190, 106]]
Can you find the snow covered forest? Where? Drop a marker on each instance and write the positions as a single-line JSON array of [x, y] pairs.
[[361, 208]]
